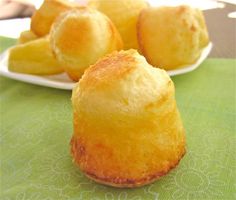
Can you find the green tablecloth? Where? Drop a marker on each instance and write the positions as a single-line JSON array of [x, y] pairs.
[[36, 127]]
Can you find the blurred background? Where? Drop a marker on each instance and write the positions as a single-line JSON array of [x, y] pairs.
[[220, 18]]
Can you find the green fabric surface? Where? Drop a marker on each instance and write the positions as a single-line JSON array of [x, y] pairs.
[[5, 43], [36, 127]]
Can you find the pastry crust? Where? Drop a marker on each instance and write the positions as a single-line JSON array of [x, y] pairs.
[[124, 14], [127, 128], [43, 18], [171, 37], [26, 36], [33, 57], [80, 37], [119, 182]]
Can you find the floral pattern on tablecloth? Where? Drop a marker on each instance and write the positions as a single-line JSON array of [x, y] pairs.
[[36, 127]]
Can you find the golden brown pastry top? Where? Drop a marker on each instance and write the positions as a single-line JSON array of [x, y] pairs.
[[113, 66], [79, 37], [43, 18], [171, 37], [124, 14], [125, 73]]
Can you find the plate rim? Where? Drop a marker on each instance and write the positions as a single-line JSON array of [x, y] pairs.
[[48, 82], [188, 68], [32, 79]]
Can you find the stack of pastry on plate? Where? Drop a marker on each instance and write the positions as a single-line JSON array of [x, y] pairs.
[[127, 128], [67, 37]]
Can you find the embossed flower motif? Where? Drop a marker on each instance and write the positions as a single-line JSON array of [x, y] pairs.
[[198, 178], [212, 139], [29, 131], [220, 141], [121, 196], [54, 167], [88, 189], [13, 175], [34, 192]]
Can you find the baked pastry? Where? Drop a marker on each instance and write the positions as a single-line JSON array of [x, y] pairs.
[[34, 57], [127, 128], [171, 37], [80, 37], [27, 36], [124, 14], [43, 18]]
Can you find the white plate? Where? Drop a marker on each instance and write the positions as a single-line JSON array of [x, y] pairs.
[[62, 81], [189, 68]]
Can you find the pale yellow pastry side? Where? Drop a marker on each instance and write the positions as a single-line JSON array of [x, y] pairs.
[[27, 36], [172, 37], [127, 128], [34, 57], [203, 32], [80, 37], [124, 14]]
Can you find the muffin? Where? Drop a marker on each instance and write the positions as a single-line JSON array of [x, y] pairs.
[[33, 57], [80, 37], [127, 128], [43, 18], [172, 37], [124, 14]]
